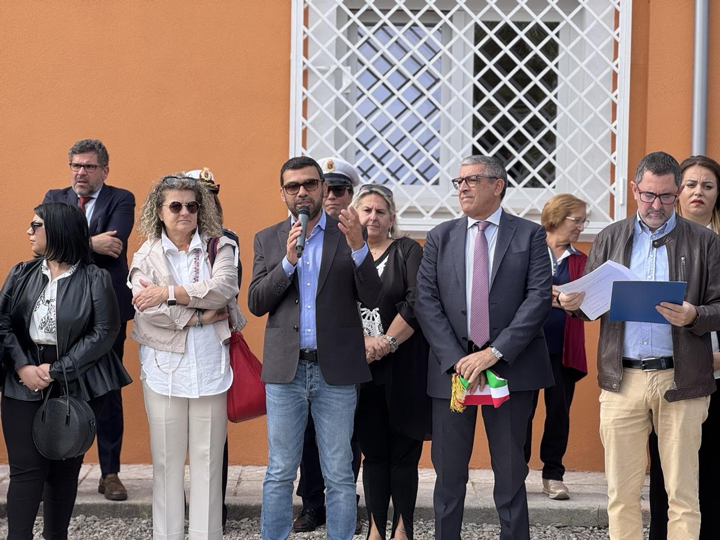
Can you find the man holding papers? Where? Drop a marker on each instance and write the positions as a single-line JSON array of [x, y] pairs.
[[656, 375], [483, 295]]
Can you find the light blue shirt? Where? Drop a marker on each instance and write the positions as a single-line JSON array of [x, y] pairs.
[[649, 264], [308, 273], [491, 233]]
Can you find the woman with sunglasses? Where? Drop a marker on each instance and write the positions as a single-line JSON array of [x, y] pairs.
[[182, 307], [698, 202], [564, 218], [58, 321], [393, 416]]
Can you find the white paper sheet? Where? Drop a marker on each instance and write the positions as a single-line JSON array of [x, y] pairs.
[[597, 286]]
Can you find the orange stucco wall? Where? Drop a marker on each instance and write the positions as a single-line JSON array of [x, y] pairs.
[[171, 85]]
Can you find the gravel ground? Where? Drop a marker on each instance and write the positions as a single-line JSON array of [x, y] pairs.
[[90, 527]]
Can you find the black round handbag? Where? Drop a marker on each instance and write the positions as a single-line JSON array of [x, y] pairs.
[[64, 427]]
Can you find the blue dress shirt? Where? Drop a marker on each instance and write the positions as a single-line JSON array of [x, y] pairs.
[[308, 272], [649, 264]]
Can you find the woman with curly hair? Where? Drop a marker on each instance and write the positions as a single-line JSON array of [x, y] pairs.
[[182, 305]]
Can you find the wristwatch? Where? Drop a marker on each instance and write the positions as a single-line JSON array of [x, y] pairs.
[[171, 296], [497, 354], [392, 341]]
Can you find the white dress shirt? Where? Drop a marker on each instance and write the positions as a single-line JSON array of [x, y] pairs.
[[491, 233], [90, 205], [203, 370], [43, 324]]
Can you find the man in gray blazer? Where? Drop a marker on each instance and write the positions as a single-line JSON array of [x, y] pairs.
[[483, 295], [314, 353]]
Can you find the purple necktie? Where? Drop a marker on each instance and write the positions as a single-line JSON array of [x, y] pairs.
[[479, 310]]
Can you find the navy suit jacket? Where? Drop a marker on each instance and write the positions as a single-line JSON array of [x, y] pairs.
[[114, 211], [520, 301]]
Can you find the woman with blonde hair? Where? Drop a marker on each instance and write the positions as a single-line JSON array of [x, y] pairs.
[[393, 415], [564, 218], [182, 307]]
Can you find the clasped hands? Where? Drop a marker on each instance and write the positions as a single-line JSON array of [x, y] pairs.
[[676, 314], [35, 377], [376, 348], [472, 368]]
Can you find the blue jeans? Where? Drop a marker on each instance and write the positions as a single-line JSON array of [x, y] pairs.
[[333, 411]]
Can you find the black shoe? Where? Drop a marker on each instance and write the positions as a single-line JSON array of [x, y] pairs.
[[358, 526], [309, 520]]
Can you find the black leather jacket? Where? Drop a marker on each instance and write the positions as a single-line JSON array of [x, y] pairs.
[[88, 321], [693, 254]]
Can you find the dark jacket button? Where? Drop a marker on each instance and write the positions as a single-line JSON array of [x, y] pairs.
[[295, 328]]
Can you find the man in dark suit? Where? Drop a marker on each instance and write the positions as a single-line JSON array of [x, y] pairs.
[[314, 353], [483, 295], [110, 212]]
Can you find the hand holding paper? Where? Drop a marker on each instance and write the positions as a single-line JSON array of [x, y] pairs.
[[597, 286], [678, 314]]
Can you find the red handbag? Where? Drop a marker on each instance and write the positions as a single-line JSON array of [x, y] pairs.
[[246, 395]]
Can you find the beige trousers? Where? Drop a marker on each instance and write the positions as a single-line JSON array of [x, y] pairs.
[[626, 418], [178, 427]]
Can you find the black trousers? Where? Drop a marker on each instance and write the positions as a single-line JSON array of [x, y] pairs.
[[554, 442], [390, 467], [311, 486], [709, 486], [452, 444], [110, 423], [34, 478]]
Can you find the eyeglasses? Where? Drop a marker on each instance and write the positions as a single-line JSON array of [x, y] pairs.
[[175, 206], [649, 197], [35, 225], [376, 187], [174, 181], [578, 221], [471, 180], [338, 191], [89, 167], [293, 188]]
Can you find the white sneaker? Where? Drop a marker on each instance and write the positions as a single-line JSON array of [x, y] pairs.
[[555, 489]]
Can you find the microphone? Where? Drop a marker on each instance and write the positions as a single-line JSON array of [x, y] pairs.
[[303, 217]]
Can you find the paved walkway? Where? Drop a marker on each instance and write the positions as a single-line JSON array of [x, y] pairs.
[[586, 506]]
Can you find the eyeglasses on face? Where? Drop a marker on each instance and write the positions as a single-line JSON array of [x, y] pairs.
[[338, 191], [376, 187], [293, 188], [183, 181], [89, 167], [175, 206], [35, 225], [649, 197], [578, 221], [471, 180]]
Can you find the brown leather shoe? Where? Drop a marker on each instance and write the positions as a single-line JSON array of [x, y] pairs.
[[112, 488]]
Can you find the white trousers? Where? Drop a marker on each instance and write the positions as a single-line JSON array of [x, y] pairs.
[[180, 427]]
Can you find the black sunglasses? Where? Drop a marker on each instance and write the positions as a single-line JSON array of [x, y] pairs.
[[174, 181], [293, 188], [338, 191], [35, 225], [376, 187], [175, 207]]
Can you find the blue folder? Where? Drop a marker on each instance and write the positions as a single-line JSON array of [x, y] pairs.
[[636, 300]]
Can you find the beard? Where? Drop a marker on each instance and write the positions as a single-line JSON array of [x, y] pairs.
[[314, 207]]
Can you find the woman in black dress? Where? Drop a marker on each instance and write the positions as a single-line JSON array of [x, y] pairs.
[[393, 416]]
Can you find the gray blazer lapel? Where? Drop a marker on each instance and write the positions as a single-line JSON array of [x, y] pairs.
[[457, 241], [504, 237], [331, 240]]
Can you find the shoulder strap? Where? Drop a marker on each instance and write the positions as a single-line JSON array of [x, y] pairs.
[[213, 249]]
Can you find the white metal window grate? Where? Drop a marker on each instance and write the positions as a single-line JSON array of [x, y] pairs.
[[405, 88]]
